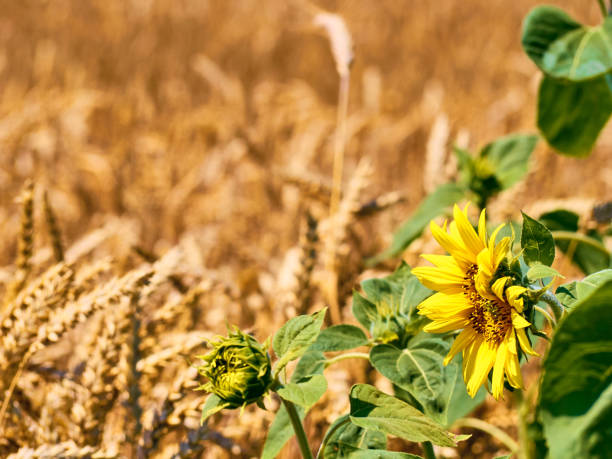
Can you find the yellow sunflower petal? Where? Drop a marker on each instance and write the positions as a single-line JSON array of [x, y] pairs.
[[494, 235], [443, 306], [452, 243], [498, 287], [513, 369], [446, 325], [482, 228], [513, 294], [470, 352], [498, 370], [518, 321], [524, 342], [462, 340], [466, 230], [485, 359], [439, 279]]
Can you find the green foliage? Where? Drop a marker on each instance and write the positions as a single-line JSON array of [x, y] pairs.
[[571, 292], [539, 271], [565, 49], [576, 391], [279, 432], [340, 338], [389, 311], [305, 392], [587, 251], [435, 204], [418, 369], [498, 166], [537, 242], [375, 410], [292, 340], [575, 96], [213, 405], [237, 369], [572, 114]]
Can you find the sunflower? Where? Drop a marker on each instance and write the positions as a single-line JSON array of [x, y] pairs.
[[474, 298]]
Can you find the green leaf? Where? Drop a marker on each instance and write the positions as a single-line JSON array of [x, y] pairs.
[[292, 340], [571, 115], [342, 438], [564, 48], [509, 157], [587, 252], [576, 390], [311, 363], [570, 293], [378, 454], [306, 392], [465, 165], [213, 405], [540, 271], [375, 410], [419, 370], [364, 310], [431, 207], [537, 242], [280, 432], [340, 338]]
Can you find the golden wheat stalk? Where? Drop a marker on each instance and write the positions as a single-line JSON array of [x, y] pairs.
[[25, 243], [54, 231]]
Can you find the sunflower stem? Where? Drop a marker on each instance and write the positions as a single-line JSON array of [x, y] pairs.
[[428, 450], [551, 321], [526, 449], [298, 427], [558, 310], [348, 355], [492, 430]]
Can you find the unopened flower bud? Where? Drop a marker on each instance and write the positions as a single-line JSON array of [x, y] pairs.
[[238, 369]]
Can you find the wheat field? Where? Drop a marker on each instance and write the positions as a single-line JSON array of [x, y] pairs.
[[166, 169]]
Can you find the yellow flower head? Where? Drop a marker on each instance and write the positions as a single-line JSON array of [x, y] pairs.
[[470, 298]]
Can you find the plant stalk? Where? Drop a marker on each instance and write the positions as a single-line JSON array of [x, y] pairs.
[[298, 427], [492, 430], [556, 306], [348, 355], [602, 7], [428, 450]]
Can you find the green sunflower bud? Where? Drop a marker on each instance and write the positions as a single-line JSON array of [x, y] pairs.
[[238, 369]]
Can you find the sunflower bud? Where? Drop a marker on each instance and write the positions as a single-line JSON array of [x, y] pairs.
[[237, 369]]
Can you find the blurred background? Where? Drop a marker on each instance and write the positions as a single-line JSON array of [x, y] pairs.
[[210, 124]]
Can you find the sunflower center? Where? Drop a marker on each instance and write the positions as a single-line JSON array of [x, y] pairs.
[[490, 318]]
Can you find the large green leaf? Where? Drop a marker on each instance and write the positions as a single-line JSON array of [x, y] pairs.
[[375, 410], [292, 340], [537, 242], [419, 370], [563, 48], [576, 391], [340, 338], [572, 114], [574, 291], [432, 206], [509, 157], [305, 392], [587, 252], [364, 311], [343, 438]]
